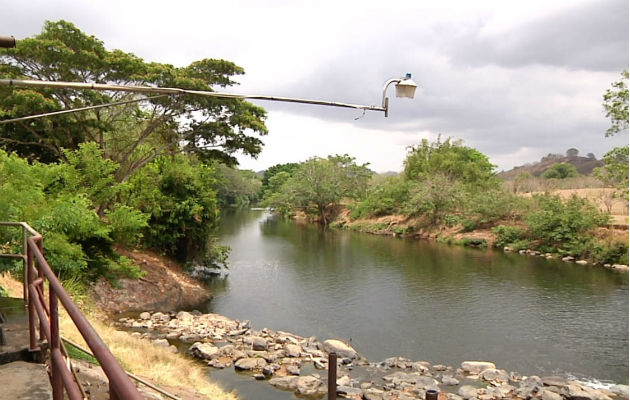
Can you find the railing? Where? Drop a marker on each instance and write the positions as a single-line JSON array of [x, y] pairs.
[[44, 322]]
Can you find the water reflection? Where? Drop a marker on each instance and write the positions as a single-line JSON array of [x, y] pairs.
[[425, 301]]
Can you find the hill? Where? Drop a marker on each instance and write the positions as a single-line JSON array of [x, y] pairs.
[[584, 165]]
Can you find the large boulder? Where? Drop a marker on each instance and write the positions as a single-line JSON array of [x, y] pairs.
[[203, 350], [250, 364], [342, 349]]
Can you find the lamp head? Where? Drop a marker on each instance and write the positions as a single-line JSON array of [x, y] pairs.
[[406, 87]]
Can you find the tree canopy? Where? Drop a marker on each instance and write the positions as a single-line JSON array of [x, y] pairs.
[[134, 134]]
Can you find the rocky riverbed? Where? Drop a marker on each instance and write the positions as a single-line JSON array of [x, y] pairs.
[[291, 362]]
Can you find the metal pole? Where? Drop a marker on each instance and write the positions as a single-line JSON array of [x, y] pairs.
[[24, 264], [178, 91], [431, 395], [332, 376]]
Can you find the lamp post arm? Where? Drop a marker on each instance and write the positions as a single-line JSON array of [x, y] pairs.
[[385, 101], [178, 91]]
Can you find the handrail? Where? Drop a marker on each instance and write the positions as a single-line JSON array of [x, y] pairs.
[[37, 270]]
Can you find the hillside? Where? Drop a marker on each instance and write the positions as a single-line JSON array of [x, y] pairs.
[[584, 165]]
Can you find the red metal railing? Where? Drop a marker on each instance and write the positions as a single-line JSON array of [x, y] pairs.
[[44, 323]]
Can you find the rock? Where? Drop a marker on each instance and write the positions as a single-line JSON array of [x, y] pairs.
[[184, 316], [568, 258], [419, 366], [309, 386], [220, 363], [620, 390], [468, 392], [475, 367], [449, 380], [203, 350], [495, 375], [549, 395], [553, 381], [284, 382], [373, 394], [259, 344], [620, 267], [292, 350], [343, 350], [145, 315], [293, 369], [161, 343], [344, 381], [250, 364], [440, 367], [158, 316], [350, 392], [259, 377], [581, 262]]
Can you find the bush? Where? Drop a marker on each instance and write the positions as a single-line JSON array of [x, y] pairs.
[[562, 226], [386, 198], [507, 235]]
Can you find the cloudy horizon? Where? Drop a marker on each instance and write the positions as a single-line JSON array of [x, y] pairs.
[[515, 80]]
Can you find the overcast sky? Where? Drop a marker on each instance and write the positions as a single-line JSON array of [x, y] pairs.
[[514, 79]]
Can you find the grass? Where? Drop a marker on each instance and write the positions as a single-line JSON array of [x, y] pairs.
[[138, 356]]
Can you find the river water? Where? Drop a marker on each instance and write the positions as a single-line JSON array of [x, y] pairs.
[[425, 301]]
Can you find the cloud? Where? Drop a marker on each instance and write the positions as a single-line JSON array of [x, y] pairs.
[[592, 36]]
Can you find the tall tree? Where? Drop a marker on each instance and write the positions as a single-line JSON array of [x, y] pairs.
[[319, 184], [132, 135]]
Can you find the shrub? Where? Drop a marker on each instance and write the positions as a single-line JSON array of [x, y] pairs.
[[507, 235], [383, 199]]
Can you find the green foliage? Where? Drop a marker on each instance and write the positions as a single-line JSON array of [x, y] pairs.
[[560, 171], [177, 192], [450, 159], [611, 253], [386, 198], [318, 185], [616, 105], [236, 187], [270, 172], [561, 226], [126, 224], [435, 197], [131, 135], [614, 173], [507, 235]]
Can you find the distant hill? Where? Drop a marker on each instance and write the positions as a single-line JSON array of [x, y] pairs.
[[584, 165]]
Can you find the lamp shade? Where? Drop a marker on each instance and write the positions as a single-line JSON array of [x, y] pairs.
[[406, 88]]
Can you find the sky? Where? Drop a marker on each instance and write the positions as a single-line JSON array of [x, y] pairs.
[[514, 79]]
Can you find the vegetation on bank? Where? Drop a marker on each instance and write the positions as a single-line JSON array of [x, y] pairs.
[[151, 173]]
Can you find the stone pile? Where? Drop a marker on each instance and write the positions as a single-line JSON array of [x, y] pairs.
[[290, 362]]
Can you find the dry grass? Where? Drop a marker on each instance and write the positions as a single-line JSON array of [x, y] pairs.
[[136, 355], [606, 199], [12, 285]]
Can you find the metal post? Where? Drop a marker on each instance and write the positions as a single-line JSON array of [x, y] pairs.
[[31, 303], [40, 275], [332, 376], [57, 384], [431, 395], [24, 263]]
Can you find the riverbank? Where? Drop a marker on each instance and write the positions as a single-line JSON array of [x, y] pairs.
[[480, 237], [290, 362]]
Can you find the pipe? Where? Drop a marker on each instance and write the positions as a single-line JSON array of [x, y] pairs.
[[7, 42]]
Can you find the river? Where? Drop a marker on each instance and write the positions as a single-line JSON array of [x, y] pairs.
[[425, 301]]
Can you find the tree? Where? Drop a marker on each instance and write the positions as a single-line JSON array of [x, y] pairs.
[[132, 135], [319, 184], [616, 105], [449, 158], [560, 171], [236, 187], [572, 152], [614, 173]]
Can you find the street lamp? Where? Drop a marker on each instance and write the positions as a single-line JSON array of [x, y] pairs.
[[405, 87]]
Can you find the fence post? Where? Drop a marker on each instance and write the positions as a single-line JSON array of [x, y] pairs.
[[24, 264], [40, 275], [332, 376], [31, 305], [57, 384]]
